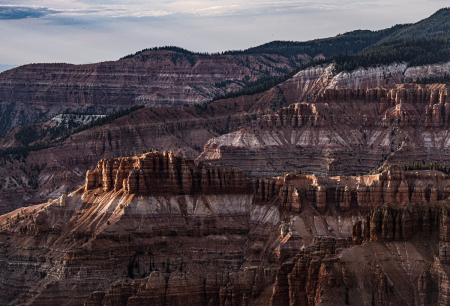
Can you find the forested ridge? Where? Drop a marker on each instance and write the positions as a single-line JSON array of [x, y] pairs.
[[414, 52], [352, 42]]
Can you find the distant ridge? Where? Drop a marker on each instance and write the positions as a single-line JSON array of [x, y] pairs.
[[351, 42]]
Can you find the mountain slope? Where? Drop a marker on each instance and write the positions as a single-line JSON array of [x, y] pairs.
[[437, 24], [353, 42]]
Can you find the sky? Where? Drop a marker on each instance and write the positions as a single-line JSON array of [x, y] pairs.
[[87, 31]]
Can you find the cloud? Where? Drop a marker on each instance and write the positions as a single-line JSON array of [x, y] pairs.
[[85, 9], [21, 12]]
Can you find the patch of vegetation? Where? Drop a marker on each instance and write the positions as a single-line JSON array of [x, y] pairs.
[[423, 166], [57, 135], [27, 134], [167, 48], [350, 43]]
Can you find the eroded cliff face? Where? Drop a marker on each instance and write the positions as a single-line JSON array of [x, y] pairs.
[[160, 229], [342, 132], [158, 78], [159, 174], [134, 230], [193, 224]]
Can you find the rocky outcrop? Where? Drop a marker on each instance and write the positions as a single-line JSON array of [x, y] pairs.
[[295, 192], [401, 224], [161, 173]]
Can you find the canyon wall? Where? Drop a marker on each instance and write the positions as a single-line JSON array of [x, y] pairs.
[[342, 131], [50, 172], [332, 132], [195, 226]]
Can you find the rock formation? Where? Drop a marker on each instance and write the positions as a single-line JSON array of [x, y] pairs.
[[159, 173], [363, 193], [156, 228]]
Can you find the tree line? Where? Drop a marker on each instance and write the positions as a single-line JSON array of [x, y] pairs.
[[424, 166]]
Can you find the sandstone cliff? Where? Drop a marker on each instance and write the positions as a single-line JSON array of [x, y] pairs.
[[161, 173]]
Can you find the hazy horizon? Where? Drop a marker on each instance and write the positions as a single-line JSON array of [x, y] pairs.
[[81, 31]]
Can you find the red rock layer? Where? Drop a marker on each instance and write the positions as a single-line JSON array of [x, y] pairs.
[[363, 193]]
